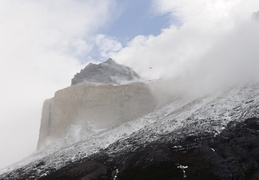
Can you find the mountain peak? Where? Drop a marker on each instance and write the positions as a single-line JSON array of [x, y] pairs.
[[110, 60], [108, 72]]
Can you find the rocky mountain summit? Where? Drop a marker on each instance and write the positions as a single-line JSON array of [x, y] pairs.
[[101, 97], [108, 72]]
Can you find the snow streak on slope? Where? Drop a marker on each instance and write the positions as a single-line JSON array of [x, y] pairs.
[[180, 118]]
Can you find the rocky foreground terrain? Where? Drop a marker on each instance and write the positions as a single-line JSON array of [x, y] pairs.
[[232, 154]]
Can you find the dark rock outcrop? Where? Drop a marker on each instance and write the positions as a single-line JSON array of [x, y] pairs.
[[233, 154]]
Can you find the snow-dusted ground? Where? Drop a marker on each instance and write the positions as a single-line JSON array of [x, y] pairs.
[[182, 117]]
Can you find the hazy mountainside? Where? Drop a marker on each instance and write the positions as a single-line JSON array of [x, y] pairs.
[[95, 104], [205, 138], [108, 72]]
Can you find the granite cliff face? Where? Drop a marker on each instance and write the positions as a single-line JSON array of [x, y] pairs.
[[95, 104], [85, 109]]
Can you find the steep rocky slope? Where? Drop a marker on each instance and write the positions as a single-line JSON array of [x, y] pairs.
[[214, 137], [232, 154]]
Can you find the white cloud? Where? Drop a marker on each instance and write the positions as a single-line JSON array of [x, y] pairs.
[[215, 45], [107, 45], [40, 43]]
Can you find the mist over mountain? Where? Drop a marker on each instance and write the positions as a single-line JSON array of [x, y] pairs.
[[124, 131], [188, 110], [206, 54]]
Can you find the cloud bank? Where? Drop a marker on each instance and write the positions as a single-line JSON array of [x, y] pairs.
[[41, 45], [215, 46]]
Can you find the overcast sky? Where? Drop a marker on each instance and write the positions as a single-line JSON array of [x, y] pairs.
[[44, 43]]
